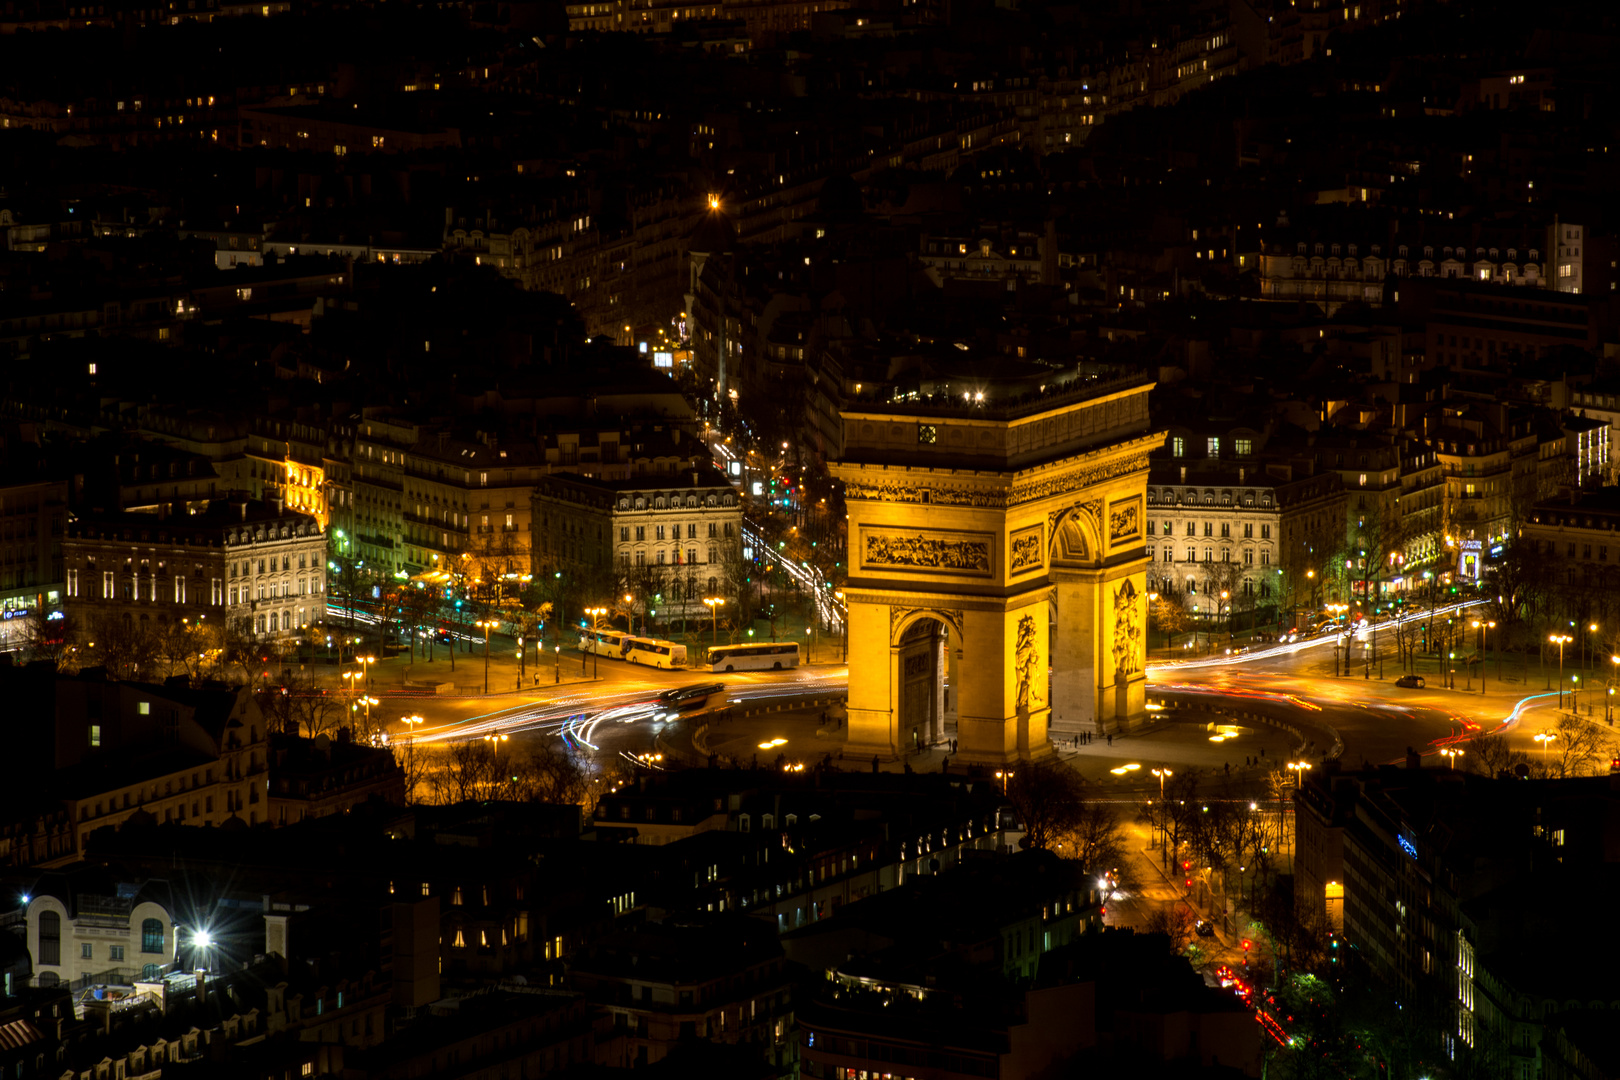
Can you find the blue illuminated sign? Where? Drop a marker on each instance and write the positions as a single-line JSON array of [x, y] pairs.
[[1407, 846]]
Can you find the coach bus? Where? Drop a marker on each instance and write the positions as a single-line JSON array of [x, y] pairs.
[[654, 653], [603, 643], [754, 656]]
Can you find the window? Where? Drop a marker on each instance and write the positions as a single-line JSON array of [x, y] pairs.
[[87, 951], [152, 936], [1214, 446], [115, 952], [624, 533], [50, 939], [1243, 447], [95, 734], [73, 583], [1169, 553], [1178, 446], [1265, 532], [927, 434], [1192, 554]]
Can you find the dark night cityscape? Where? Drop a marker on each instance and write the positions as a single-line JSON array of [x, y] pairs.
[[826, 539]]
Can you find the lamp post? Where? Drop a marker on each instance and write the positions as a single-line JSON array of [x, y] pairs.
[[495, 739], [596, 614], [413, 723], [1225, 616], [486, 625], [1299, 769], [1545, 737], [1337, 611], [1609, 711], [1560, 640], [1453, 755], [367, 702], [1004, 775], [1484, 629], [714, 603], [1162, 774]]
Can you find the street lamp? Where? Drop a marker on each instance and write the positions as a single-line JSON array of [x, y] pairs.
[[495, 739], [413, 723], [1484, 629], [713, 603], [630, 613], [486, 625], [367, 661], [368, 701], [1004, 775], [1545, 737], [1560, 640], [1162, 774], [1609, 714], [1225, 614], [1453, 755]]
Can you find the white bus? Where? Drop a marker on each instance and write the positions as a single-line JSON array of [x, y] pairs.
[[603, 643], [755, 656], [654, 653]]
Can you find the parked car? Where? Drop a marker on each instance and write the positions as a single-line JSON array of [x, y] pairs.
[[1205, 928], [1410, 682]]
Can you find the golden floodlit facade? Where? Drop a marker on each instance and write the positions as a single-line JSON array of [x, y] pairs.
[[997, 570]]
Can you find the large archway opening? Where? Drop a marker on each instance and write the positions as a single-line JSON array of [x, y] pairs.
[[924, 666]]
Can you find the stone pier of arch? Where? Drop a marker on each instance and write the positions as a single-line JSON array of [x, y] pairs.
[[997, 584]]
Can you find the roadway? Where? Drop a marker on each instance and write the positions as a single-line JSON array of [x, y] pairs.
[[1362, 717]]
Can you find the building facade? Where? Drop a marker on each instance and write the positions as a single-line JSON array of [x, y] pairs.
[[667, 539], [252, 565], [78, 936], [1249, 530], [33, 520]]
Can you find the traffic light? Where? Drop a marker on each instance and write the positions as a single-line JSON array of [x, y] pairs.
[[1246, 944], [1189, 883], [1186, 866]]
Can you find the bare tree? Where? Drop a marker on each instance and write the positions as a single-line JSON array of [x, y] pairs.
[[545, 775], [50, 640], [459, 772], [1489, 753], [1048, 801], [1175, 922], [127, 649], [1580, 746], [299, 706]]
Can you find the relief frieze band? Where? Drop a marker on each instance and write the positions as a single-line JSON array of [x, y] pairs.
[[939, 552]]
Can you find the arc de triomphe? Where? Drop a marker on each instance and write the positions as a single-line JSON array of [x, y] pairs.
[[975, 535]]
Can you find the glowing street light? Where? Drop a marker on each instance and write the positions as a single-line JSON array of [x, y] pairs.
[[1545, 737], [1004, 775], [1484, 629], [714, 603], [486, 625], [1560, 640], [1453, 754]]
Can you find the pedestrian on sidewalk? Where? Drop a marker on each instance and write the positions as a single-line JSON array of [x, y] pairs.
[[1110, 739]]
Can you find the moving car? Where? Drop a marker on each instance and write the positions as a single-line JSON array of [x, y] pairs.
[[1410, 682]]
